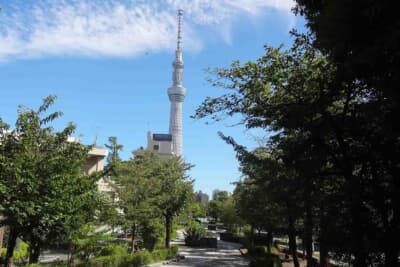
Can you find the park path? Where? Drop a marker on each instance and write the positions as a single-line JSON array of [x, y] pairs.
[[225, 255]]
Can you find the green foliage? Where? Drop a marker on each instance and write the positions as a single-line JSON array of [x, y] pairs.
[[223, 208], [113, 157], [213, 210], [86, 242], [214, 207], [136, 185], [175, 191], [328, 168], [42, 188], [194, 232], [198, 210], [151, 189], [263, 258], [229, 214], [19, 254], [138, 259], [113, 249], [152, 233], [359, 37]]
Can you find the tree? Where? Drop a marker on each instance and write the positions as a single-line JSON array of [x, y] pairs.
[[361, 40], [281, 205], [197, 210], [176, 190], [41, 183], [229, 215], [136, 187], [332, 128], [215, 206], [86, 242], [256, 207], [113, 157]]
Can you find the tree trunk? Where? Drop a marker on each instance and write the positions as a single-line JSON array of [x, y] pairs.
[[292, 239], [308, 232], [360, 256], [1, 238], [12, 240], [323, 255], [34, 252], [70, 254], [252, 235], [270, 237], [392, 249], [168, 230], [323, 250], [133, 237], [392, 233]]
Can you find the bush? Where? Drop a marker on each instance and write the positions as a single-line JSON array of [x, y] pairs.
[[164, 254], [139, 259], [263, 258], [152, 233], [194, 232], [124, 259], [20, 252], [258, 251], [113, 249]]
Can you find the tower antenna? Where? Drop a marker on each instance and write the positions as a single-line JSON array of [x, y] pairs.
[[180, 14]]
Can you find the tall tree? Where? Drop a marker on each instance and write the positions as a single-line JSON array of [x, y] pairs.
[[41, 177], [176, 190], [136, 186], [328, 126], [114, 149], [361, 38]]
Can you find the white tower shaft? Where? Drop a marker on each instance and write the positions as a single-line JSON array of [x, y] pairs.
[[176, 94]]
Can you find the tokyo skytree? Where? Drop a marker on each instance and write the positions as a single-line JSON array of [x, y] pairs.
[[176, 94]]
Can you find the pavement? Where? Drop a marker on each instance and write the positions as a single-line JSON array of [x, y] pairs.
[[49, 256], [227, 254]]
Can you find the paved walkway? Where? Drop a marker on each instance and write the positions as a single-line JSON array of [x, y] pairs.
[[226, 255]]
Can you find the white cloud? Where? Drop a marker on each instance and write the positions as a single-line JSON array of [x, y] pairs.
[[117, 28]]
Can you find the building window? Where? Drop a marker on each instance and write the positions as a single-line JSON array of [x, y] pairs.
[[156, 147]]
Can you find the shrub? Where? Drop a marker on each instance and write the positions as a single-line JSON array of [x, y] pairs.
[[258, 251], [113, 249], [152, 233], [194, 232], [139, 259], [173, 251], [20, 252], [164, 254], [263, 258]]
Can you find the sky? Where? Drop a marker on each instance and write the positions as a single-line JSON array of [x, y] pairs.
[[110, 64]]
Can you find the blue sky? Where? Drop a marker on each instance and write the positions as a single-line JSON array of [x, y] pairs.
[[109, 63]]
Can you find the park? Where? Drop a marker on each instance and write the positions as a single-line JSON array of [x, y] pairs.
[[285, 112]]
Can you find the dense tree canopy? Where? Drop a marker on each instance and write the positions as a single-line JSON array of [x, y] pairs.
[[43, 191], [148, 190], [329, 143]]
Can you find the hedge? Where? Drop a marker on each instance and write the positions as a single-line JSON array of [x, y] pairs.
[[139, 259]]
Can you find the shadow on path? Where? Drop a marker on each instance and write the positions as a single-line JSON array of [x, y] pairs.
[[226, 255]]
